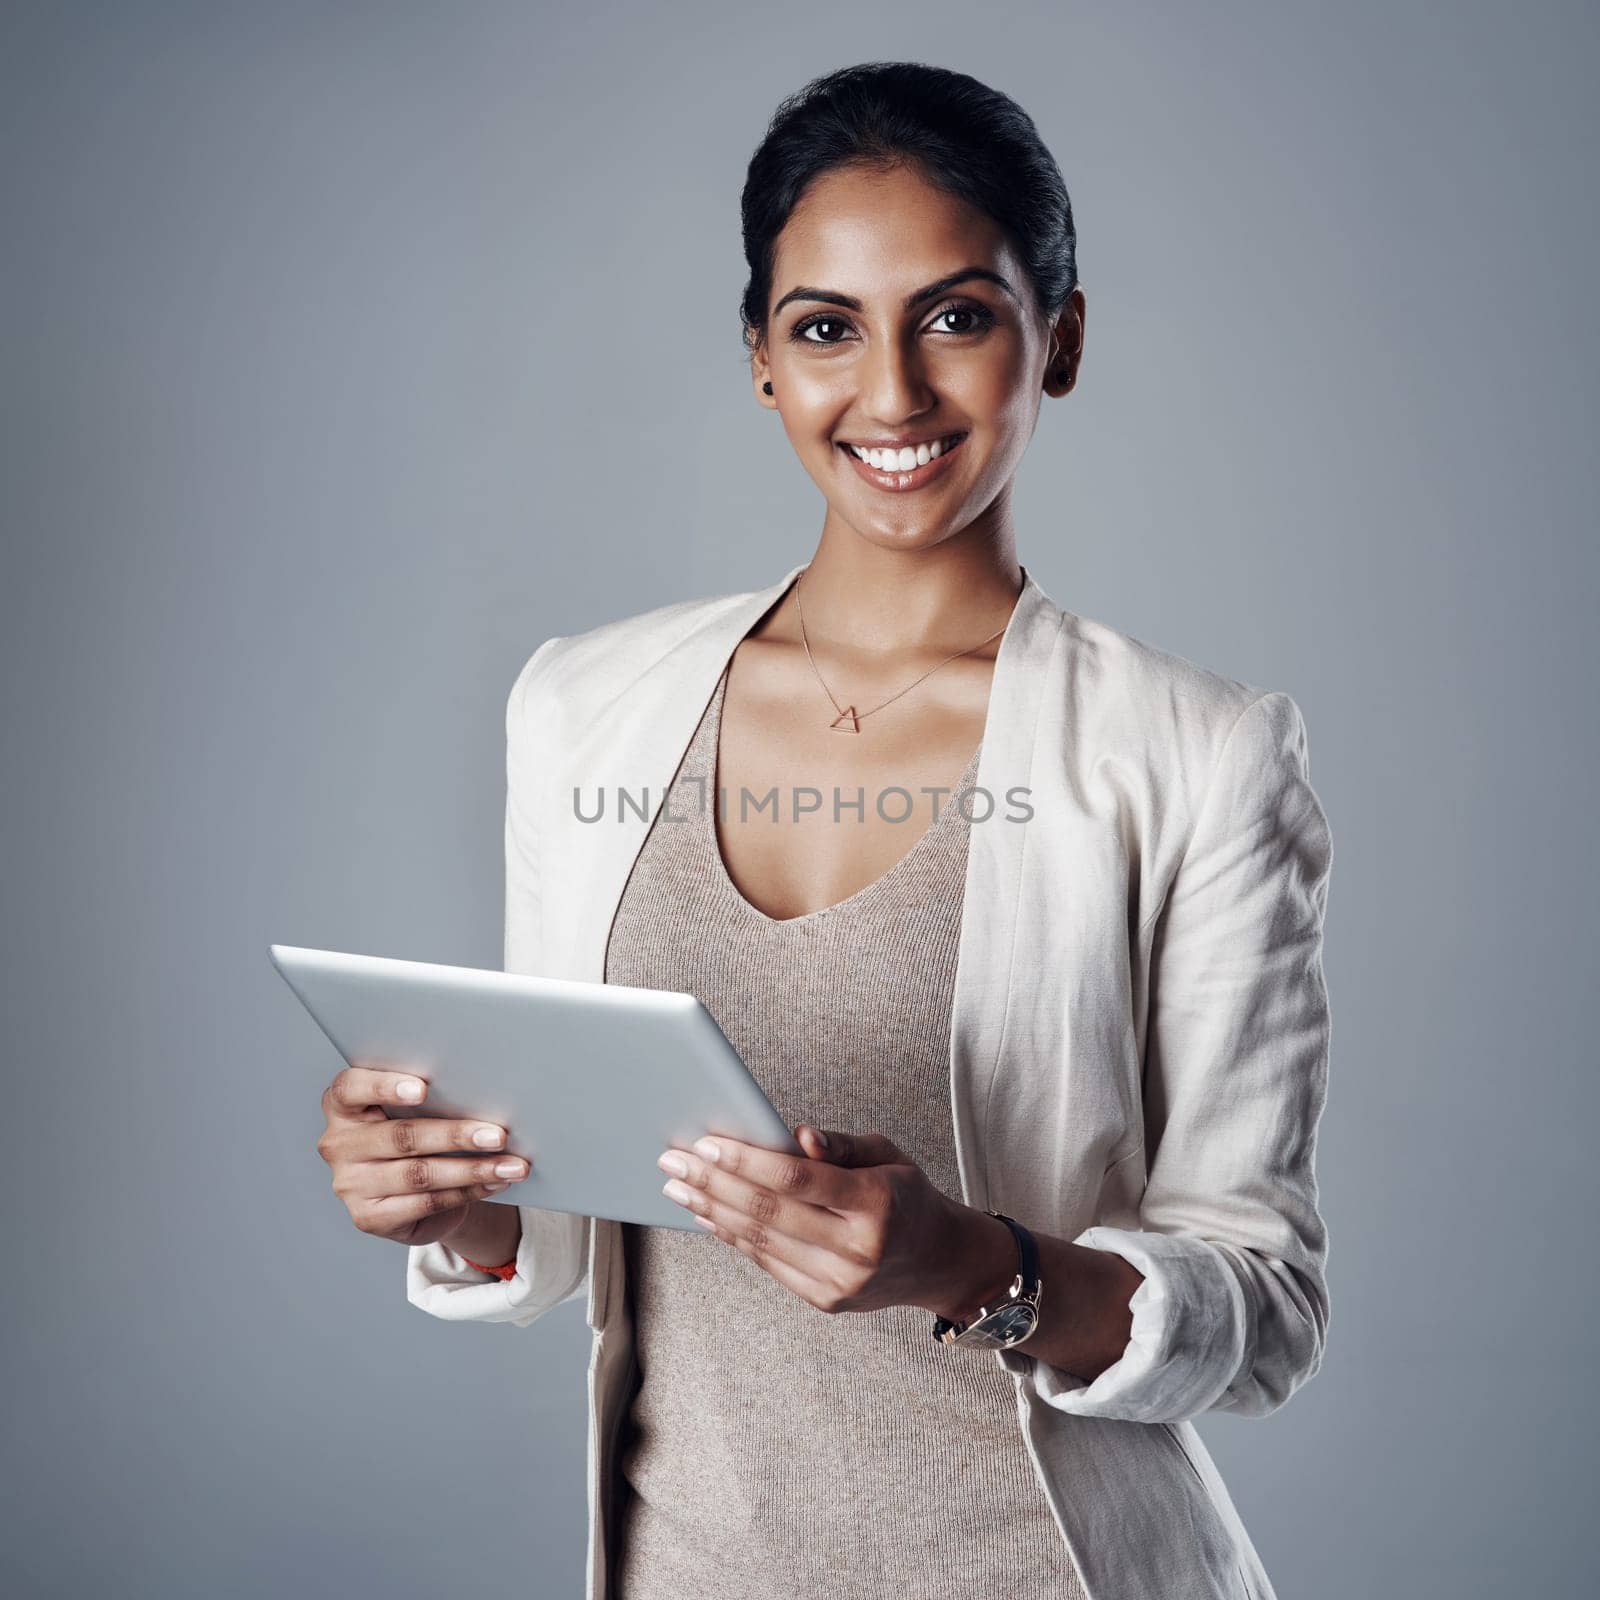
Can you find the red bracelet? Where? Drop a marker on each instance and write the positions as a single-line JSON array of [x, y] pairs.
[[505, 1273]]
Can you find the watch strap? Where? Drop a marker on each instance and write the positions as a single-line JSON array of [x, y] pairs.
[[1027, 1252], [1027, 1273]]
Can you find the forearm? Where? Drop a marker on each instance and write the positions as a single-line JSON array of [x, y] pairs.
[[491, 1233], [1084, 1316]]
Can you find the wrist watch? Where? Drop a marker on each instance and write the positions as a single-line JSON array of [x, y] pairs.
[[1009, 1321]]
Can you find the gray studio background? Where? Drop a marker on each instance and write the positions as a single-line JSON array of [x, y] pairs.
[[349, 351]]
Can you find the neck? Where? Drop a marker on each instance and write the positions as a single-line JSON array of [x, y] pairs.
[[867, 598]]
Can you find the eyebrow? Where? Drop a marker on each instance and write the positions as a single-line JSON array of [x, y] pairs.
[[928, 291]]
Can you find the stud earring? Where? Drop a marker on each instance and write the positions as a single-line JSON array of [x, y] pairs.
[[1061, 376], [766, 388]]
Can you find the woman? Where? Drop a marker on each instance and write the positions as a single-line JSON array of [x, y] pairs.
[[1055, 1054]]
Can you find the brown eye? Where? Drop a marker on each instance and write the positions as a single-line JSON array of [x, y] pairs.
[[804, 329], [978, 318]]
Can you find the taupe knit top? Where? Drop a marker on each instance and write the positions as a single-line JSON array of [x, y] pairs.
[[770, 1449]]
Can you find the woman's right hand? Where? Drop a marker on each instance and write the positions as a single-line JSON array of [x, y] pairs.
[[405, 1178]]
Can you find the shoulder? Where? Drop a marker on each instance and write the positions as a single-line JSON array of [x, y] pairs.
[[577, 671], [1173, 728], [1140, 686]]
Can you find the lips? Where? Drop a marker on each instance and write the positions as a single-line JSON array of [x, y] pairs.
[[898, 482]]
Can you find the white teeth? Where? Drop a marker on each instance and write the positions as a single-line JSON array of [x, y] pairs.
[[902, 460]]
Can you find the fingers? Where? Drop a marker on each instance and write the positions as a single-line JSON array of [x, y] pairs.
[[817, 1254], [398, 1137], [388, 1194], [801, 1268], [813, 1141], [858, 1149], [353, 1132], [357, 1088], [700, 1182], [394, 1216], [408, 1155], [418, 1174], [821, 1183], [394, 1172]]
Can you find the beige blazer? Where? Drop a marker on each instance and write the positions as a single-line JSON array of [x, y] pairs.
[[1138, 1053]]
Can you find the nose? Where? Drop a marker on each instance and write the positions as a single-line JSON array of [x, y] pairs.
[[894, 386]]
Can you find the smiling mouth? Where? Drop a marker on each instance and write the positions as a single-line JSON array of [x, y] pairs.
[[889, 474]]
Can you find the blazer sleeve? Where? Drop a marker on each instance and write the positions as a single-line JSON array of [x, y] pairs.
[[1232, 1314], [553, 1255]]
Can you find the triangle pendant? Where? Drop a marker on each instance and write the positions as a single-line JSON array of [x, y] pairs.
[[846, 721]]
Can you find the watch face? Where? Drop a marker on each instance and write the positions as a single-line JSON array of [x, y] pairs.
[[1006, 1325]]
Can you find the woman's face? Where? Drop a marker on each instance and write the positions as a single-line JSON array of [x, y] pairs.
[[851, 362]]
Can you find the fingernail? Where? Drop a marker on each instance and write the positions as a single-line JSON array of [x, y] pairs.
[[822, 1138], [409, 1089], [508, 1169], [708, 1149], [486, 1138]]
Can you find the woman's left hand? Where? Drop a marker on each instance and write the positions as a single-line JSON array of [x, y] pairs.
[[855, 1226]]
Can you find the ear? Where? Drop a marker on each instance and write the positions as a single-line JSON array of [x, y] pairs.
[[760, 373], [1061, 376]]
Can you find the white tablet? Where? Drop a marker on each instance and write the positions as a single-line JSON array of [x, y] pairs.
[[591, 1081]]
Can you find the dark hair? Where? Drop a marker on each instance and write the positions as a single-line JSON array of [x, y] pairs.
[[968, 139]]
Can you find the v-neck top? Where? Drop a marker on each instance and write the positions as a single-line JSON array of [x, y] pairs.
[[768, 1448]]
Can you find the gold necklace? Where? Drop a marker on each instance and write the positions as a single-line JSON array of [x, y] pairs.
[[849, 719]]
